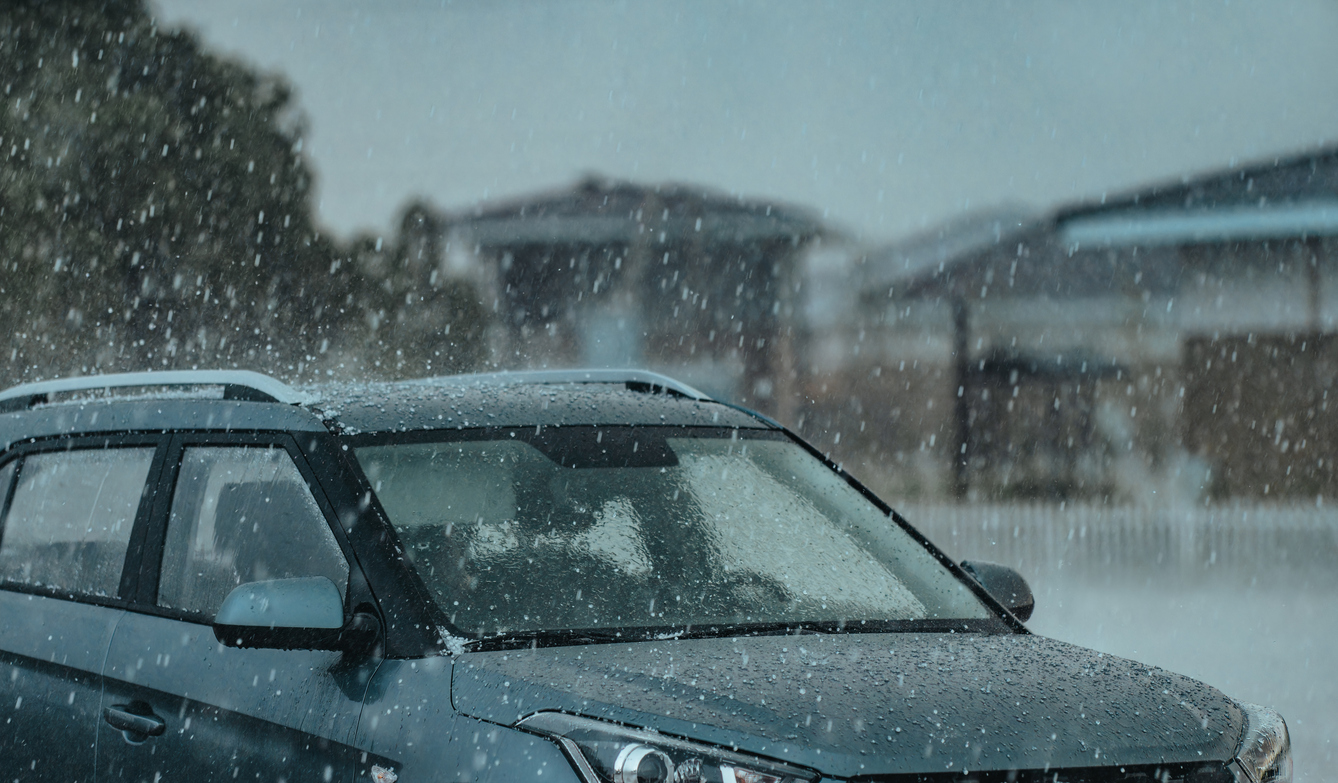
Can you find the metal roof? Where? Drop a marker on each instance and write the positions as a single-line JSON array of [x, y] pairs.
[[1151, 227], [598, 211]]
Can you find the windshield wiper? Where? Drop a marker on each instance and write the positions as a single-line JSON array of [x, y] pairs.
[[545, 638], [510, 640], [749, 629]]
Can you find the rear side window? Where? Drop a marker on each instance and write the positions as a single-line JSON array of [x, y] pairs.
[[67, 518], [242, 514]]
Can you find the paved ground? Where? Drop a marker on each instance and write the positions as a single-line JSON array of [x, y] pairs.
[[1270, 639], [1244, 598]]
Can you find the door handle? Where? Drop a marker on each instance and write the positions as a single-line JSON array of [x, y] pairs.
[[122, 717]]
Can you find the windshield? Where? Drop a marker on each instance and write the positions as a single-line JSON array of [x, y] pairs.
[[584, 527]]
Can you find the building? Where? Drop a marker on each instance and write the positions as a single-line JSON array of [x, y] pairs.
[[1175, 344], [678, 279]]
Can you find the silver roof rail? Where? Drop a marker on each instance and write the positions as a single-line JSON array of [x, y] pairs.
[[237, 385], [637, 380]]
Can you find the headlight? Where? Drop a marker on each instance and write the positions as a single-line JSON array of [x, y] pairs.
[[1266, 753], [606, 753]]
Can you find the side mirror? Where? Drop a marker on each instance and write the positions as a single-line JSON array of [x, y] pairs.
[[306, 613], [1005, 585]]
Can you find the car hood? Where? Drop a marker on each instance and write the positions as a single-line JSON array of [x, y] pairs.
[[861, 704]]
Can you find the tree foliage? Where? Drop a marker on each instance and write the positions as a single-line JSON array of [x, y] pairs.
[[155, 207], [416, 318]]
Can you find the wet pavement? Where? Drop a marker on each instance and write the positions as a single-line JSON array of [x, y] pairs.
[[1270, 639], [1244, 598]]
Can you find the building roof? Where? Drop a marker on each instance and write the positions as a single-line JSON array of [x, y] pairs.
[[599, 211], [1293, 197], [1299, 177], [1287, 197], [930, 252]]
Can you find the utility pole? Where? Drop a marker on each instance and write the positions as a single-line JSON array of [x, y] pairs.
[[1313, 247], [961, 407]]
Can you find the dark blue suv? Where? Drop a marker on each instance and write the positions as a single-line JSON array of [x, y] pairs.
[[595, 577]]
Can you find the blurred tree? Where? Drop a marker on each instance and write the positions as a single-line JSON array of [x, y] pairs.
[[155, 206], [418, 319]]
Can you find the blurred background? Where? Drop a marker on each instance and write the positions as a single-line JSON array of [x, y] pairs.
[[1057, 279]]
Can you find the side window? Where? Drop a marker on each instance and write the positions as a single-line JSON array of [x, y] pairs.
[[242, 514], [68, 515]]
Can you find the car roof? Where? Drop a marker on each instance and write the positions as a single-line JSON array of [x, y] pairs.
[[190, 400], [456, 404]]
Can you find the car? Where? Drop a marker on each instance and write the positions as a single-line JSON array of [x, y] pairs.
[[589, 576]]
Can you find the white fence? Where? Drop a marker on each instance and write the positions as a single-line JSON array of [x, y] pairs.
[[1135, 539]]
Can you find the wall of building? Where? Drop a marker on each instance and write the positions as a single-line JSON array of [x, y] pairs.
[[1087, 375]]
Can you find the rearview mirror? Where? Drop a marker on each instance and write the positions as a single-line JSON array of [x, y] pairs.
[[305, 613], [1005, 585]]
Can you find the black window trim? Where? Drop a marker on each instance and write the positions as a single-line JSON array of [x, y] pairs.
[[85, 442], [7, 499], [144, 599], [410, 616]]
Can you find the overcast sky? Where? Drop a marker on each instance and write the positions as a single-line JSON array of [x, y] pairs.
[[885, 116]]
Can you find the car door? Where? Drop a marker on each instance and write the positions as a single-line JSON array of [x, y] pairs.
[[179, 704], [67, 512]]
